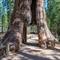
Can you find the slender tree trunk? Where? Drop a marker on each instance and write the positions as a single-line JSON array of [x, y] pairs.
[[44, 34], [20, 15]]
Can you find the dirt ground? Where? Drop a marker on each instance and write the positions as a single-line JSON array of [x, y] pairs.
[[31, 51]]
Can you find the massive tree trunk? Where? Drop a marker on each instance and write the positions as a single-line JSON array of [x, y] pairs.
[[44, 34], [21, 14]]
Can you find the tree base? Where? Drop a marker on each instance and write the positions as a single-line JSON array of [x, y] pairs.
[[48, 44], [51, 44]]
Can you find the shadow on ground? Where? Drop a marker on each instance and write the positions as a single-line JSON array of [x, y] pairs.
[[26, 56], [32, 44]]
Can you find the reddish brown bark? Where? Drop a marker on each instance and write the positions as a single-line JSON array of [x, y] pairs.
[[17, 28], [44, 34], [20, 16]]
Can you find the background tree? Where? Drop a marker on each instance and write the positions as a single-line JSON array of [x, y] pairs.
[[53, 11], [6, 7]]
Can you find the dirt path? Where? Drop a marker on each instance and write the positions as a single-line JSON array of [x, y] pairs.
[[32, 52]]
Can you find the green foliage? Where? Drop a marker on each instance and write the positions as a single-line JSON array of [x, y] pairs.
[[53, 14], [6, 8]]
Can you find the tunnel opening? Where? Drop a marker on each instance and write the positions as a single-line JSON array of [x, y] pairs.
[[33, 10], [32, 37]]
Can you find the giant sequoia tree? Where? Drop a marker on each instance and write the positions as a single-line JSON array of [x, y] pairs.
[[19, 18]]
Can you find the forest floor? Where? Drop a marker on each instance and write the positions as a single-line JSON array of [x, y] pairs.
[[31, 51]]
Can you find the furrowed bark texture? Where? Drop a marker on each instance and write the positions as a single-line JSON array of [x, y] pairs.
[[44, 33], [21, 15]]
